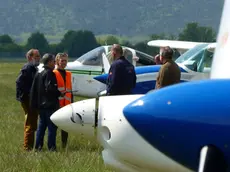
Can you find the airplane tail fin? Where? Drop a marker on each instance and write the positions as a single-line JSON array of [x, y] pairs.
[[220, 64], [105, 63]]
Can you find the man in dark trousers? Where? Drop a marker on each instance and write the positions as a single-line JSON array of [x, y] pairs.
[[169, 73], [122, 76], [64, 82], [44, 97], [23, 88]]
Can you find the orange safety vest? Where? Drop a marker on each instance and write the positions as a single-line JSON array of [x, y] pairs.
[[64, 86]]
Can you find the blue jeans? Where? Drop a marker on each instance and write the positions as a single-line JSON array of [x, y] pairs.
[[44, 122]]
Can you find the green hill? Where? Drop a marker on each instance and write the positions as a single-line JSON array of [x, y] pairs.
[[127, 17]]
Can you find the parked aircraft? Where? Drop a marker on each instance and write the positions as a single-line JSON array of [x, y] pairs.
[[195, 64], [184, 127], [98, 60]]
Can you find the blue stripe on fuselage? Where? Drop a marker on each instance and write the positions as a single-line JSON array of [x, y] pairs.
[[151, 69], [178, 120], [139, 70], [145, 86]]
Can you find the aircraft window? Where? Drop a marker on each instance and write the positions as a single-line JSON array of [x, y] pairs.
[[93, 57], [195, 58], [190, 53], [128, 55], [144, 59], [176, 54], [206, 62]]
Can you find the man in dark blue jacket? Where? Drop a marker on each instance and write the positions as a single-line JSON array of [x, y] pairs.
[[122, 76], [23, 87]]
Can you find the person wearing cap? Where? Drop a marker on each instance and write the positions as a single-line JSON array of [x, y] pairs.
[[44, 97], [169, 73], [122, 77], [64, 85], [23, 89]]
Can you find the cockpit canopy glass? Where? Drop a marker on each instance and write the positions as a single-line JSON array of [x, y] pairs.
[[197, 59], [93, 57], [144, 59]]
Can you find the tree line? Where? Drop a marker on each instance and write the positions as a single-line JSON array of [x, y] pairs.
[[76, 43]]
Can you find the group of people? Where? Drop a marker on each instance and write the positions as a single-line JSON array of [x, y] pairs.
[[41, 93], [122, 76]]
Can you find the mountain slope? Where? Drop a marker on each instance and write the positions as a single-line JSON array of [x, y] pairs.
[[129, 17]]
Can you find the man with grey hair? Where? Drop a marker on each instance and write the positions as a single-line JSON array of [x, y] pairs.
[[23, 89]]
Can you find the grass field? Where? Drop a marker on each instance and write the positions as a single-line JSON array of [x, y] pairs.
[[81, 155]]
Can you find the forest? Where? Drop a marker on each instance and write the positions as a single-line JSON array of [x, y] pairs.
[[78, 42]]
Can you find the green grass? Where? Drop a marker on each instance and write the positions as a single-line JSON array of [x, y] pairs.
[[81, 154]]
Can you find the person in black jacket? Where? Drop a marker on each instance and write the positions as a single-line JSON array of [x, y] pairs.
[[23, 89], [44, 97], [122, 77]]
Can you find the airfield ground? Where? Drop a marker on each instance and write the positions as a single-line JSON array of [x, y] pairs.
[[81, 155]]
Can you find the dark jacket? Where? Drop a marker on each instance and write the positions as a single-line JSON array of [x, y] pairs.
[[24, 81], [169, 74], [44, 91], [121, 78]]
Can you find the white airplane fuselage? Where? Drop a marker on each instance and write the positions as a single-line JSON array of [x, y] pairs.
[[96, 63], [82, 79], [125, 151], [142, 132]]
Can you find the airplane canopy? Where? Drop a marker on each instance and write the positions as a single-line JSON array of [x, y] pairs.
[[198, 59], [93, 57]]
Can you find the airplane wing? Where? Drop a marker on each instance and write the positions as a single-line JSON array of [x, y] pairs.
[[220, 63], [174, 44], [181, 46]]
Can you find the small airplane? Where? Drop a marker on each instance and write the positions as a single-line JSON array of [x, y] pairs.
[[180, 128], [195, 64], [97, 62]]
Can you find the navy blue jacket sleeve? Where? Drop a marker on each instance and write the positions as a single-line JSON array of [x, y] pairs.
[[24, 82], [35, 92], [134, 79], [20, 84]]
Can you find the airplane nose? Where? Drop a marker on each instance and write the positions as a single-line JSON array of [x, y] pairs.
[[77, 118]]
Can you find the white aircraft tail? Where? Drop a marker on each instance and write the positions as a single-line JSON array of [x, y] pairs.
[[105, 63], [221, 61]]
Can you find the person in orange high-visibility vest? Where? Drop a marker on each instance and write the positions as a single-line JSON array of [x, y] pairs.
[[64, 85]]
